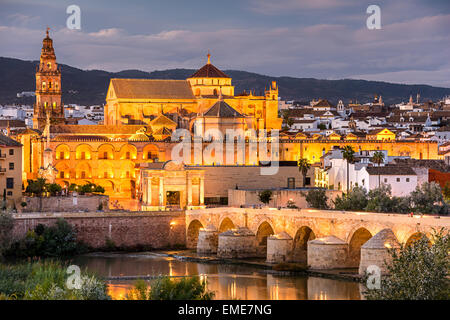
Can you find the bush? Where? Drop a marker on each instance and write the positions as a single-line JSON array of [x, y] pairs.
[[47, 281], [355, 199], [417, 272], [53, 188], [265, 196], [165, 288], [6, 229], [428, 198], [317, 198], [380, 199], [55, 241]]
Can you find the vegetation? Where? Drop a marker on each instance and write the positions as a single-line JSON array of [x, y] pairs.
[[356, 200], [322, 126], [378, 158], [166, 288], [47, 281], [303, 167], [6, 228], [349, 155], [55, 241], [417, 272], [86, 188], [265, 196], [446, 191], [427, 198], [317, 198]]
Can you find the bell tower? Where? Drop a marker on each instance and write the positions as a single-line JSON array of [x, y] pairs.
[[48, 87]]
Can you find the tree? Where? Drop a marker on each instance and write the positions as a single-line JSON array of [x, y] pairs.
[[6, 229], [53, 188], [380, 199], [349, 155], [317, 198], [265, 196], [356, 199], [428, 198], [446, 191], [303, 167], [417, 272], [321, 126], [378, 158]]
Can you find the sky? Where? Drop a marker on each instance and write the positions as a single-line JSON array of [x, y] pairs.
[[324, 39]]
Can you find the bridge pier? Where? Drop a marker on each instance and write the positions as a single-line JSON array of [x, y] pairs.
[[207, 240], [376, 251], [327, 253], [238, 243], [279, 248]]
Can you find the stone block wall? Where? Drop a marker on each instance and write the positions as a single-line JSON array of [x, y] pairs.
[[66, 204], [157, 230]]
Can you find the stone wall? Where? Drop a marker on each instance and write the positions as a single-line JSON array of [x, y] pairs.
[[66, 204], [157, 230]]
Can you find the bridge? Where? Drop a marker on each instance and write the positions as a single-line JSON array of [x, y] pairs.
[[334, 238]]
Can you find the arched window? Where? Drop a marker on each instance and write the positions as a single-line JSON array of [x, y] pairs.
[[49, 65], [44, 85], [215, 92], [49, 84]]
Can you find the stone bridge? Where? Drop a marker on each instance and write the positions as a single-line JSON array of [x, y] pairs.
[[323, 239]]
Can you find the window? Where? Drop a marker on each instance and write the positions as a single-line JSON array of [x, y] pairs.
[[11, 166], [9, 193], [407, 179], [362, 181], [9, 183], [11, 152], [61, 174], [291, 183], [307, 181], [398, 179], [385, 180], [128, 155], [83, 174], [61, 155], [105, 155]]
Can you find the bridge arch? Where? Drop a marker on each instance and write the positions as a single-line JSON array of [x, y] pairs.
[[192, 233], [358, 238], [263, 232], [416, 236], [300, 244], [226, 225]]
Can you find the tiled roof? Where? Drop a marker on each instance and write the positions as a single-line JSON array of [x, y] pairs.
[[391, 171], [7, 141], [151, 89], [209, 71], [162, 120], [438, 165], [223, 110], [95, 129], [13, 123]]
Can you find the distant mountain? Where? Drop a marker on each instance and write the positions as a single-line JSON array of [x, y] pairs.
[[88, 87]]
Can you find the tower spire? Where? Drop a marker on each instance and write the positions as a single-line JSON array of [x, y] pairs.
[[209, 58]]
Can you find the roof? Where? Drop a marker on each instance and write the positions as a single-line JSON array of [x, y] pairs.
[[323, 103], [95, 129], [151, 89], [391, 170], [382, 240], [162, 120], [7, 141], [209, 71], [13, 123], [328, 240], [223, 110]]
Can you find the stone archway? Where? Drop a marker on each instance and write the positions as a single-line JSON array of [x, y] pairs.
[[359, 237], [264, 231], [300, 245], [226, 225], [414, 237], [192, 234]]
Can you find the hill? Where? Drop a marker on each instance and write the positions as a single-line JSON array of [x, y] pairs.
[[88, 87]]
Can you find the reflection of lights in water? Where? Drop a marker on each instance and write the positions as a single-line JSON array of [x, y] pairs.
[[203, 277], [170, 269], [322, 296], [118, 291], [275, 292], [232, 290]]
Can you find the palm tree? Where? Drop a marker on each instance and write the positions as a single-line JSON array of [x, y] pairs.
[[378, 158], [303, 167], [349, 155]]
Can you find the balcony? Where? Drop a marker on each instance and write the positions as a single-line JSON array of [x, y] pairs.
[[3, 156], [2, 170]]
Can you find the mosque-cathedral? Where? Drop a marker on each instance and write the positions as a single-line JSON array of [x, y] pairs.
[[140, 116]]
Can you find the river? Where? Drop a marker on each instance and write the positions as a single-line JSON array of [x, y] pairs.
[[228, 281]]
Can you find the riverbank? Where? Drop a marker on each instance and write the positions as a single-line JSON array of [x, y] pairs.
[[191, 256]]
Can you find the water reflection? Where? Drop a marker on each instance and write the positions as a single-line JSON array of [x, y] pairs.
[[227, 281]]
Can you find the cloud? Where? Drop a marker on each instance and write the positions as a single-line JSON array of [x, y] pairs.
[[412, 51], [271, 7]]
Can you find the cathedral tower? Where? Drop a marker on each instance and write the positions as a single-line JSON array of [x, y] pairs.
[[48, 88]]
